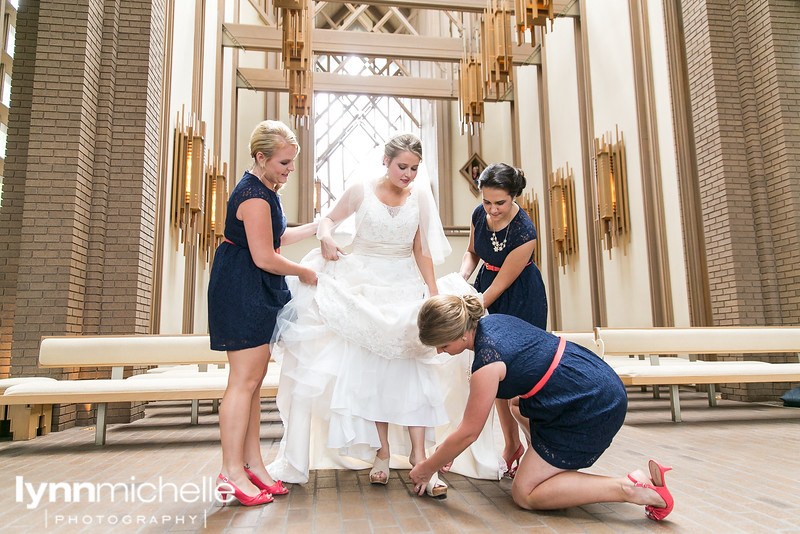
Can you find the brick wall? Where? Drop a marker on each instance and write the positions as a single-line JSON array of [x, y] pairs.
[[84, 175], [14, 179], [742, 61]]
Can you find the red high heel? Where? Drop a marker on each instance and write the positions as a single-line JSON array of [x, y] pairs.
[[511, 469], [659, 484], [657, 479], [276, 489], [262, 498]]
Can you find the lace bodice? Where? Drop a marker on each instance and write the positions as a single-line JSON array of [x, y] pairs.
[[388, 224]]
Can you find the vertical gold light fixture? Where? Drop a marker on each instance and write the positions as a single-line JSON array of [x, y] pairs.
[[611, 183], [188, 176], [215, 208], [529, 14], [296, 56], [530, 203], [496, 48], [562, 215], [470, 81]]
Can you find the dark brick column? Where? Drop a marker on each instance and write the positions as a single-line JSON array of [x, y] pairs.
[[83, 158], [745, 90]]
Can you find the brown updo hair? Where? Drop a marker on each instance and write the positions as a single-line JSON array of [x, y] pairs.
[[505, 177], [402, 143], [444, 318]]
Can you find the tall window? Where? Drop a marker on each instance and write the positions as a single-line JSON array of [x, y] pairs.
[[351, 131]]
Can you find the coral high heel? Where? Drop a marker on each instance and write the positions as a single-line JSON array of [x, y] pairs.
[[657, 479], [511, 469], [262, 498], [276, 489], [659, 485]]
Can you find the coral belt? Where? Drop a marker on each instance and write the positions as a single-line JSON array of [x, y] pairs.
[[495, 269], [277, 250], [548, 374]]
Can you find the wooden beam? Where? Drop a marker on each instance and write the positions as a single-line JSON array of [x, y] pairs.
[[326, 82], [396, 46], [564, 8]]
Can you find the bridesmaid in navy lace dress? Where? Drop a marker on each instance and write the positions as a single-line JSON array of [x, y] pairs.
[[246, 290], [571, 405], [504, 237]]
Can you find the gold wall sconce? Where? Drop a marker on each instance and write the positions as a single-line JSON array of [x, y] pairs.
[[562, 215], [215, 210], [530, 203], [296, 56], [188, 176], [199, 189], [611, 183], [496, 48], [529, 14]]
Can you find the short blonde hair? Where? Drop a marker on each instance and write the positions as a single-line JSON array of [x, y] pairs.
[[444, 318], [270, 136]]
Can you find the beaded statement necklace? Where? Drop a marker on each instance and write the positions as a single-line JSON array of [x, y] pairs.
[[498, 246]]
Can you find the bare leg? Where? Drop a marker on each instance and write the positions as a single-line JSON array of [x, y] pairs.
[[523, 422], [540, 486], [382, 453], [244, 381], [252, 440], [417, 435], [509, 427]]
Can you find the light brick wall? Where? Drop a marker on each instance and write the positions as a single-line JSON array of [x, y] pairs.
[[742, 61], [83, 179]]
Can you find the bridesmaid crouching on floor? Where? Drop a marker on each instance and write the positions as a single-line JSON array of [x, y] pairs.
[[571, 405]]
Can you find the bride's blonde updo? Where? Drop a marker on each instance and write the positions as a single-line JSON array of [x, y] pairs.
[[444, 318]]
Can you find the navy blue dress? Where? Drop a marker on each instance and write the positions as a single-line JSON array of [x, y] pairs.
[[243, 300], [577, 413], [525, 297]]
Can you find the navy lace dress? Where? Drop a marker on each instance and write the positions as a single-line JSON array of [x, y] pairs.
[[244, 300], [577, 413], [525, 297]]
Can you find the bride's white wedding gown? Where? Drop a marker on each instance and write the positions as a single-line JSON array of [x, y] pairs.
[[350, 355]]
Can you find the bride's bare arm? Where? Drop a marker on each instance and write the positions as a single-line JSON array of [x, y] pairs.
[[425, 265]]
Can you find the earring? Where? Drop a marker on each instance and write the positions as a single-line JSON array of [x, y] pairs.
[[464, 338]]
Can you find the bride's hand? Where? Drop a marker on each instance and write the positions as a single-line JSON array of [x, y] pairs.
[[330, 250]]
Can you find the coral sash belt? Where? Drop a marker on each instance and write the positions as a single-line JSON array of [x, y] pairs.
[[548, 374], [277, 250], [495, 269]]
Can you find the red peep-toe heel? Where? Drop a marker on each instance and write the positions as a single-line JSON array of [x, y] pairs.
[[262, 498], [511, 469], [657, 478], [276, 489]]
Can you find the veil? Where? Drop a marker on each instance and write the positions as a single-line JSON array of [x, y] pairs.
[[349, 218]]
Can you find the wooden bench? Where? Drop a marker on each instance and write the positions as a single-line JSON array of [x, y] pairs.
[[30, 401], [701, 340], [584, 339]]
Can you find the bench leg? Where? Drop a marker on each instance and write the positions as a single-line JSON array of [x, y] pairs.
[[26, 419], [100, 429], [195, 410], [215, 406], [675, 403], [712, 395], [46, 418]]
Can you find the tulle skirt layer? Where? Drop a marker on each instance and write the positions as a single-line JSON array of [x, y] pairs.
[[350, 356]]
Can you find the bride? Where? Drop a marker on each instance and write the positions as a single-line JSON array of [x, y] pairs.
[[353, 369]]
